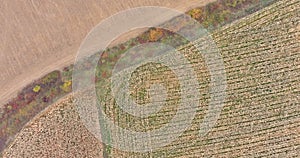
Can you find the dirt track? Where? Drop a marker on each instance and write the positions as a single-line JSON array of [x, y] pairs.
[[37, 37]]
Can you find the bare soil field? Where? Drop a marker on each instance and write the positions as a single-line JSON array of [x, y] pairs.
[[39, 37], [261, 114]]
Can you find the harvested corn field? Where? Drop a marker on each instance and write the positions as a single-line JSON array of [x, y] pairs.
[[56, 132]]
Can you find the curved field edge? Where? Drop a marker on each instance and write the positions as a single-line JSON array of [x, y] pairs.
[[61, 123], [45, 91]]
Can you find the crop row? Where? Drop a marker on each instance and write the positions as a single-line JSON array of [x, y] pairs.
[[263, 111]]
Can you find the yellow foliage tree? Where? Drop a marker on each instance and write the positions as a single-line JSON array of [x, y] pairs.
[[36, 88], [195, 13], [66, 86], [155, 34]]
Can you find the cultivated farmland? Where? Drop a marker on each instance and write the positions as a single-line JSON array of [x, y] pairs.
[[261, 114], [43, 92]]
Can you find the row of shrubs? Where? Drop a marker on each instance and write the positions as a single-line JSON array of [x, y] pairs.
[[31, 100]]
